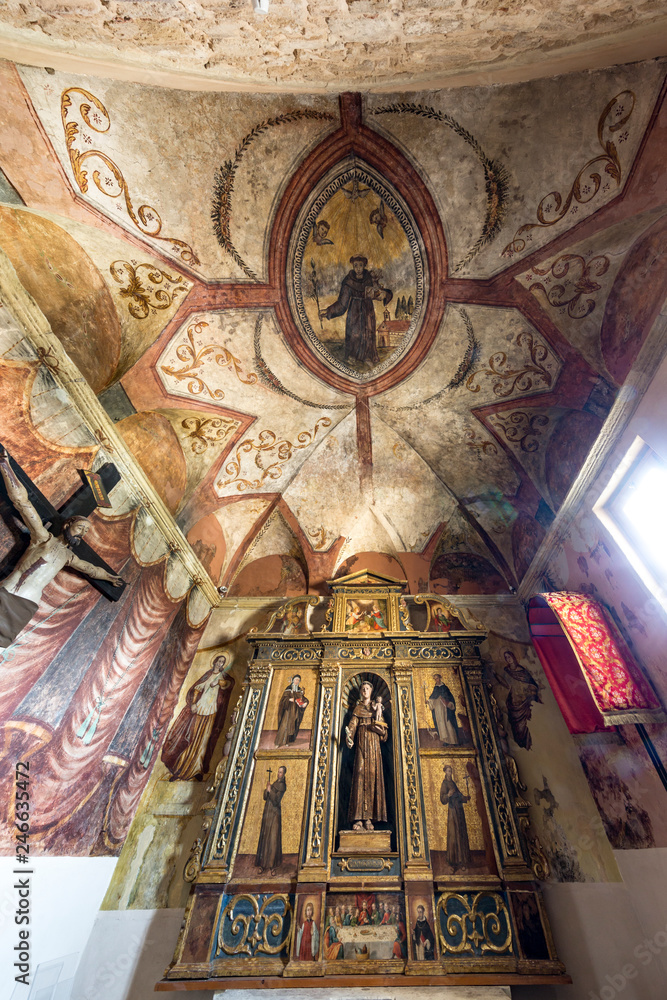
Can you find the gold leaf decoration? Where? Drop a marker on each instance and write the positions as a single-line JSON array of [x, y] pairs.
[[193, 357], [553, 207], [107, 175], [267, 443], [144, 298]]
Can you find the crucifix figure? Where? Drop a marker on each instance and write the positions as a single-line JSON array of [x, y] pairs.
[[45, 556]]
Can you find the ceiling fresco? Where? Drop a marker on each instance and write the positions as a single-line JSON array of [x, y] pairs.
[[377, 329]]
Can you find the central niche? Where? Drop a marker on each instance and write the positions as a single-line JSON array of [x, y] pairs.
[[356, 275]]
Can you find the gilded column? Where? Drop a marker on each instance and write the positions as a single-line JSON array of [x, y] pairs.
[[508, 843], [319, 828], [223, 839], [416, 864]]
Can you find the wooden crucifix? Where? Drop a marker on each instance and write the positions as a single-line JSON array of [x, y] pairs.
[[48, 551]]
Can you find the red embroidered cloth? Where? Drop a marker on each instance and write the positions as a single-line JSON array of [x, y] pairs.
[[621, 693]]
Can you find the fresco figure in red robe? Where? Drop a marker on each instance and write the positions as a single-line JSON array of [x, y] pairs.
[[358, 291], [191, 740], [368, 803]]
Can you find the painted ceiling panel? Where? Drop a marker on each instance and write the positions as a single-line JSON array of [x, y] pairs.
[[433, 414], [538, 140], [573, 284], [119, 130]]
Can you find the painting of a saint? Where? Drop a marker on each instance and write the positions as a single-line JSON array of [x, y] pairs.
[[355, 250], [423, 938], [367, 797], [443, 709], [270, 846], [441, 620], [293, 704], [293, 623], [307, 936], [522, 692], [358, 290], [458, 845], [191, 740], [365, 616]]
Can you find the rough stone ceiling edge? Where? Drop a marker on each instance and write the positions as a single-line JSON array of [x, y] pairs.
[[635, 45]]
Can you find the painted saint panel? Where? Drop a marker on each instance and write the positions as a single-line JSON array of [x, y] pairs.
[[357, 278], [454, 810], [289, 713], [272, 828], [441, 712]]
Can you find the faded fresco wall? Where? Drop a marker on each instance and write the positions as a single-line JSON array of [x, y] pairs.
[[624, 781], [149, 874], [87, 687]]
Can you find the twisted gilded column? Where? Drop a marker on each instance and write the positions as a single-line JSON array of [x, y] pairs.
[[508, 843], [416, 863], [223, 839], [317, 843]]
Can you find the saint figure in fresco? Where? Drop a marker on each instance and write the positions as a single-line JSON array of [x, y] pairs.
[[458, 845], [423, 939], [270, 846], [367, 797], [522, 692], [357, 293], [308, 938], [443, 709], [191, 740], [293, 704]]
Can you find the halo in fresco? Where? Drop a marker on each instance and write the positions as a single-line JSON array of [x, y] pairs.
[[356, 275]]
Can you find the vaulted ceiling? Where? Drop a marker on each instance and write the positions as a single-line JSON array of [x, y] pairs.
[[168, 235]]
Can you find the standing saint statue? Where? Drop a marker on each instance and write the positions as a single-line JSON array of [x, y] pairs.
[[270, 845], [46, 555], [293, 703], [367, 797], [458, 845], [358, 291]]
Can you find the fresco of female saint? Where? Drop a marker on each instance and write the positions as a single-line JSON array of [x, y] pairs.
[[458, 845], [522, 692], [359, 288], [367, 797], [191, 740], [293, 704]]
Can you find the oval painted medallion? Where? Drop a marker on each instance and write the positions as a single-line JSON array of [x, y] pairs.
[[357, 276]]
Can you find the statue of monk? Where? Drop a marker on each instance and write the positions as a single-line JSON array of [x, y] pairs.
[[367, 797]]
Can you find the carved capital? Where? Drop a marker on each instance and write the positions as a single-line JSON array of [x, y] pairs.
[[259, 673]]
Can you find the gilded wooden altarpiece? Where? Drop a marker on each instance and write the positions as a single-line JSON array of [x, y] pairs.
[[367, 823]]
